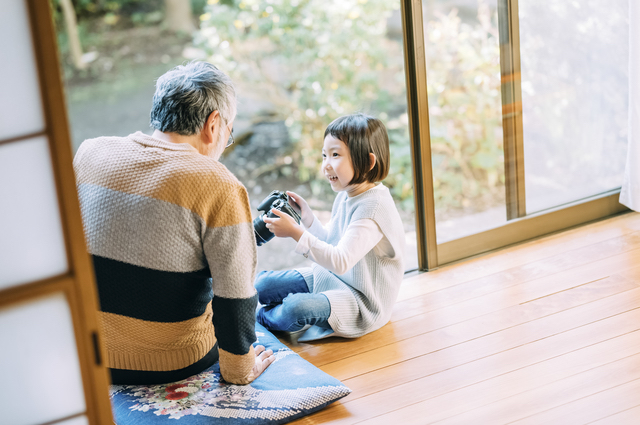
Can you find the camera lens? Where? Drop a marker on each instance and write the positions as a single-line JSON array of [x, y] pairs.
[[263, 235], [276, 200]]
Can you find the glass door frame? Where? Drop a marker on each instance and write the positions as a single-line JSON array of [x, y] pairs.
[[520, 227]]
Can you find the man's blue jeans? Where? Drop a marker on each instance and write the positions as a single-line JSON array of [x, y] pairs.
[[288, 305]]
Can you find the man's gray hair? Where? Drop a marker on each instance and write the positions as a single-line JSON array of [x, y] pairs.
[[186, 95]]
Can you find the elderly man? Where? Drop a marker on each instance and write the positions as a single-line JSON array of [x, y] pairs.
[[169, 229]]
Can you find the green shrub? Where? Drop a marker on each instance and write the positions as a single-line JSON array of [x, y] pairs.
[[317, 60], [313, 60]]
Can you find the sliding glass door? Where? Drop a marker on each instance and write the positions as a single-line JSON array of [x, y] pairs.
[[522, 129]]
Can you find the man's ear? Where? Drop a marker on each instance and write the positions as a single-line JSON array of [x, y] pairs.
[[211, 127], [372, 161]]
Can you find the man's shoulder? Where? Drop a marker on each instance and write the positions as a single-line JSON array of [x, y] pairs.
[[209, 172], [98, 145], [179, 163], [205, 185], [105, 140]]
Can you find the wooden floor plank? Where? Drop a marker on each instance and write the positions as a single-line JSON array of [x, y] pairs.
[[625, 417], [544, 332], [523, 254], [556, 394], [475, 327], [573, 320], [586, 258], [448, 388], [467, 306], [532, 270], [517, 381], [596, 406], [610, 240]]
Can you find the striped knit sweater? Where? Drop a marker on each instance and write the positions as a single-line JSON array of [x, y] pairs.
[[174, 253], [362, 299]]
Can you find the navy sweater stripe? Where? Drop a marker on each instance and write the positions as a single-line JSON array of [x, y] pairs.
[[153, 295], [235, 332]]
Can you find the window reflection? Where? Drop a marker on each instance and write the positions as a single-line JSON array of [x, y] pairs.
[[574, 58], [463, 83]]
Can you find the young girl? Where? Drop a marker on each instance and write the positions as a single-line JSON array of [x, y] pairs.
[[352, 287]]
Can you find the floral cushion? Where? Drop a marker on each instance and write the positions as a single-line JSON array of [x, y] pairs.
[[290, 388]]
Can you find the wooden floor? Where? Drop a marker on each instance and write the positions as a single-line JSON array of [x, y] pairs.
[[543, 332]]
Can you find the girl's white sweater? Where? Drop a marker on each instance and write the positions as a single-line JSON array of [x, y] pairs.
[[363, 296]]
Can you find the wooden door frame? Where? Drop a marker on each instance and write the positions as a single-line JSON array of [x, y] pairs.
[[78, 283]]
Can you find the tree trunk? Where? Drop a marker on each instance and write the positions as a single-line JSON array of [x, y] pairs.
[[179, 16], [72, 33]]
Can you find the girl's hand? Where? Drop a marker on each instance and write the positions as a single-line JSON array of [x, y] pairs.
[[284, 226], [300, 205]]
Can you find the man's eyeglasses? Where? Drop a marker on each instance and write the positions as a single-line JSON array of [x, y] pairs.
[[231, 141]]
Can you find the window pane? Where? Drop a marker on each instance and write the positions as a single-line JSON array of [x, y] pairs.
[[20, 108], [32, 244], [39, 363], [296, 65], [463, 82], [574, 58]]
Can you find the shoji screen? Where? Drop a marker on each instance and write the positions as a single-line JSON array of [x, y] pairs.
[[51, 362]]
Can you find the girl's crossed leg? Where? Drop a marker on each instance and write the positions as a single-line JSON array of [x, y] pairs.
[[287, 304]]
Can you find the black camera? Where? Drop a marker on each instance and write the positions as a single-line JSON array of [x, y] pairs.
[[276, 200]]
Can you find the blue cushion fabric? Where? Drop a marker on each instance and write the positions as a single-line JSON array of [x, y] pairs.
[[289, 389]]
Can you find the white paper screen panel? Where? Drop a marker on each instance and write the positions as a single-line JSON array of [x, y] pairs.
[[20, 102], [32, 241], [39, 362]]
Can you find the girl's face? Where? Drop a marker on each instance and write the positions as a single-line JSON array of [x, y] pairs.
[[338, 168], [336, 163]]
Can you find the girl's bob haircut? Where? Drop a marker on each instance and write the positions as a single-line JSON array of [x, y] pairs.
[[363, 134]]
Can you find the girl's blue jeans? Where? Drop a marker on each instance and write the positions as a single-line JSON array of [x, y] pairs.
[[287, 304]]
